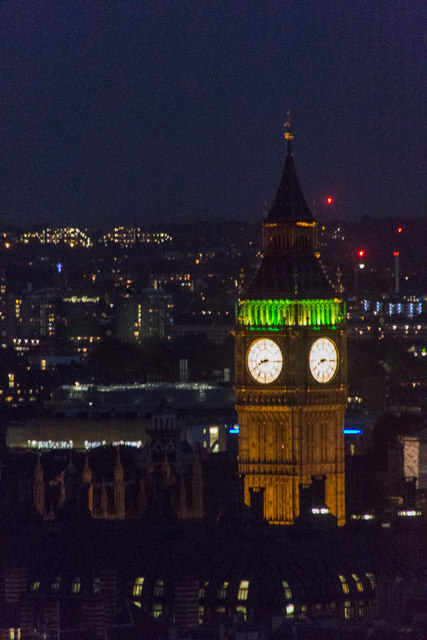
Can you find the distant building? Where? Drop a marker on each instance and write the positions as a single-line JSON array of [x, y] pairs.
[[387, 316], [164, 478], [131, 236], [32, 315], [217, 334], [85, 417], [71, 236], [408, 459], [145, 315], [3, 307]]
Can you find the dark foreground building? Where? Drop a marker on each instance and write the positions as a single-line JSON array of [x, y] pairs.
[[232, 578]]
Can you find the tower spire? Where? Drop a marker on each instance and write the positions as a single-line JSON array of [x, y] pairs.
[[288, 131], [289, 204]]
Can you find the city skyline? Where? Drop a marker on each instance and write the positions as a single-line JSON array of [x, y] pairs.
[[133, 113]]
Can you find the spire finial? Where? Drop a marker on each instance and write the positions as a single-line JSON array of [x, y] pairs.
[[287, 126], [288, 135]]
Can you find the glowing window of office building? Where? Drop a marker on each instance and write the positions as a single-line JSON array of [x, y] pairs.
[[287, 589], [359, 583], [243, 590], [137, 587], [75, 586], [371, 578], [222, 591], [344, 584], [158, 588], [56, 585]]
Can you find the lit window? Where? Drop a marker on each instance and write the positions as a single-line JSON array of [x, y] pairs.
[[358, 582], [75, 586], [243, 590], [158, 589], [287, 589], [371, 579], [344, 584], [222, 591], [243, 611], [201, 613], [56, 584], [96, 586], [290, 610], [157, 610], [348, 612], [35, 586], [202, 590], [137, 587]]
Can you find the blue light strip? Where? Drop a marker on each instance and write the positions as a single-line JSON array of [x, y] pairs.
[[352, 432]]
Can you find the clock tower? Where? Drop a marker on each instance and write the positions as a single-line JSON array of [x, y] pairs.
[[291, 365]]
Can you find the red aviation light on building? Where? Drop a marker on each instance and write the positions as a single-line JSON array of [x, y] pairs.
[[361, 253], [329, 200], [395, 253], [399, 229]]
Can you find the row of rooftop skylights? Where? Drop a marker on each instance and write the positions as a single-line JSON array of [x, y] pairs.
[[221, 593], [243, 589]]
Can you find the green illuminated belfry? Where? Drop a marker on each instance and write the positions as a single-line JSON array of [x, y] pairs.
[[291, 370]]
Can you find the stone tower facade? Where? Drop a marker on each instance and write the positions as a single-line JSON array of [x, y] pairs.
[[291, 366]]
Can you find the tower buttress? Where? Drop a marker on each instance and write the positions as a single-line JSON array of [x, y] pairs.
[[119, 489], [104, 502], [182, 513], [39, 488], [197, 486], [87, 479]]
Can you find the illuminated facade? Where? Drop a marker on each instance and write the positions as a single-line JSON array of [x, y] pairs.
[[71, 236], [130, 236], [290, 359]]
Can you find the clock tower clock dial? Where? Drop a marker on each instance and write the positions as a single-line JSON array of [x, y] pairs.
[[323, 360], [264, 360], [290, 365]]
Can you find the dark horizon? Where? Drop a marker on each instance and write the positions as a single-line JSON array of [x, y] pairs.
[[124, 112]]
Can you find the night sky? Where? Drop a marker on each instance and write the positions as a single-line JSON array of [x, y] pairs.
[[172, 110]]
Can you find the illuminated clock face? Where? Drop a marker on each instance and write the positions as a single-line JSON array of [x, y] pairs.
[[264, 360], [323, 360]]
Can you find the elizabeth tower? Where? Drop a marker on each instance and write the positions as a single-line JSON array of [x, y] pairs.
[[291, 365]]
